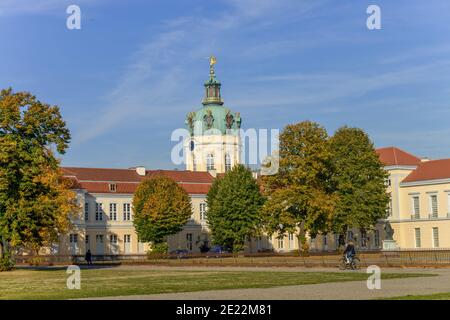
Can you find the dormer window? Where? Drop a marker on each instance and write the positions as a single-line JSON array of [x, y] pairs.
[[112, 187]]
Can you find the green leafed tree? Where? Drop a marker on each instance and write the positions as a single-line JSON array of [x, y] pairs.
[[299, 196], [358, 181], [162, 208], [35, 200], [234, 208]]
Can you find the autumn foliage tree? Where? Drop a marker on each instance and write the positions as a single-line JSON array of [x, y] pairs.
[[162, 208], [35, 200], [299, 197]]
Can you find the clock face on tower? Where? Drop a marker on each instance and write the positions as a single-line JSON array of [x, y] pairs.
[[191, 145]]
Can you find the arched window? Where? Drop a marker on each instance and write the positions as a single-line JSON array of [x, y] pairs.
[[227, 162], [210, 162]]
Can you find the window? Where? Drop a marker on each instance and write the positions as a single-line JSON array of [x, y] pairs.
[[86, 211], [126, 211], [113, 211], [189, 241], [210, 162], [448, 204], [416, 207], [434, 206], [87, 240], [99, 238], [113, 238], [435, 237], [281, 242], [417, 235], [291, 240], [112, 187], [127, 238], [325, 240], [194, 163], [73, 238], [202, 211], [363, 238], [377, 238], [99, 211], [227, 162], [349, 235], [313, 242], [389, 208]]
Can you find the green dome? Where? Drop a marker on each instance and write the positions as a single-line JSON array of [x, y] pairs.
[[213, 116]]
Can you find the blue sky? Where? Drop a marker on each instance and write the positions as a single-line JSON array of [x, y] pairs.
[[128, 78]]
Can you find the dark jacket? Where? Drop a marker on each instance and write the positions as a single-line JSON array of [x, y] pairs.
[[88, 256], [350, 249]]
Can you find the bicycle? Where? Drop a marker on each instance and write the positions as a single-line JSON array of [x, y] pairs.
[[344, 264]]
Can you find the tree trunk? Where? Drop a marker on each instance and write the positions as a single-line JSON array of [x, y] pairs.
[[302, 239]]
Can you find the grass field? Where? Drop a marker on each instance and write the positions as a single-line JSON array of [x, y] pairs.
[[51, 283]]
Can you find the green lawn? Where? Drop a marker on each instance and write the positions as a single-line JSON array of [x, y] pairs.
[[51, 283], [436, 296]]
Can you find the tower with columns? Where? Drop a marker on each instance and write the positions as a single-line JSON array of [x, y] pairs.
[[214, 144]]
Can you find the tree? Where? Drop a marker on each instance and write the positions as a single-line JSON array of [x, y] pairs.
[[162, 208], [299, 197], [35, 199], [358, 181], [234, 208]]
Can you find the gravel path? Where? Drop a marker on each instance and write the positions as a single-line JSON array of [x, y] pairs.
[[330, 291]]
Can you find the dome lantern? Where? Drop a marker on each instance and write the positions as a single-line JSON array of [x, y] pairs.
[[212, 86]]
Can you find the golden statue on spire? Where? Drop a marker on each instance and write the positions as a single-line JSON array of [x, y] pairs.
[[212, 61]]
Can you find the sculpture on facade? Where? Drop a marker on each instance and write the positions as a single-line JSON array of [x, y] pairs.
[[190, 120], [229, 120], [388, 231], [209, 119]]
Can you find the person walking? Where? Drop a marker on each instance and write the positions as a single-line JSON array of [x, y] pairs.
[[88, 257]]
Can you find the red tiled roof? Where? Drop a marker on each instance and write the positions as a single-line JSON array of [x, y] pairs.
[[392, 156], [97, 180], [430, 170], [183, 176], [102, 174]]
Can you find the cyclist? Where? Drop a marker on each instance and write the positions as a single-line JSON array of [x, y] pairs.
[[350, 252]]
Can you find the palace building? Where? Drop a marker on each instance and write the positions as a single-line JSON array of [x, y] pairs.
[[419, 211], [105, 225], [420, 199]]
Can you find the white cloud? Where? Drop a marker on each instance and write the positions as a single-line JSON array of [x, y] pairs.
[[157, 78], [309, 89]]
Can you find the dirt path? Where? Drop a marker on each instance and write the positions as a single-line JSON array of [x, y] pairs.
[[333, 291]]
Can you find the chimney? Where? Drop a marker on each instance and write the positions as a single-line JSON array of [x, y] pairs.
[[140, 170]]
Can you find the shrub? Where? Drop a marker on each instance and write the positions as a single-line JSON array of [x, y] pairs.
[[6, 263], [160, 248], [158, 251], [35, 261]]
